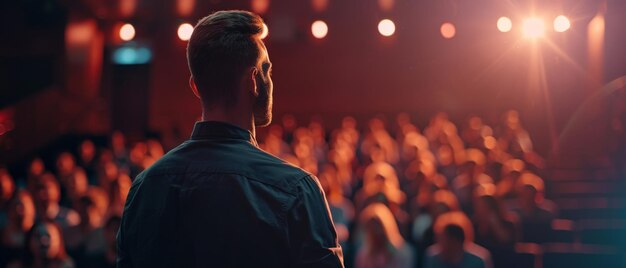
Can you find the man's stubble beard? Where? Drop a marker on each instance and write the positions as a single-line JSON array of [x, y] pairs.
[[263, 104]]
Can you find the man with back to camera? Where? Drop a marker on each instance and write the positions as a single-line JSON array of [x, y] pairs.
[[217, 200]]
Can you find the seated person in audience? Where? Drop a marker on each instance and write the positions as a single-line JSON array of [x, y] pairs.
[[422, 233], [117, 193], [341, 208], [495, 229], [454, 247], [7, 189], [21, 217], [380, 185], [66, 165], [511, 171], [119, 150], [47, 195], [44, 248], [86, 240], [534, 211], [76, 186], [87, 160], [472, 175], [108, 257], [383, 245], [36, 169]]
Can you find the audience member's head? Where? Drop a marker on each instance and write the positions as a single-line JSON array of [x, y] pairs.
[[36, 168], [22, 211], [45, 246], [77, 184], [92, 208], [47, 193], [7, 187], [87, 151], [452, 241], [530, 189], [65, 165], [380, 229]]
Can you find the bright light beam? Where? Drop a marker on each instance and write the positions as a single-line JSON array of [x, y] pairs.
[[533, 28]]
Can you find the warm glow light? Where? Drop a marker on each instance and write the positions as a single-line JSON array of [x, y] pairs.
[[386, 27], [561, 24], [448, 30], [184, 31], [504, 24], [127, 32], [265, 31], [319, 29], [533, 27]]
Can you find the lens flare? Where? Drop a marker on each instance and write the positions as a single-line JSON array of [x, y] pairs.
[[533, 27], [504, 24], [386, 27]]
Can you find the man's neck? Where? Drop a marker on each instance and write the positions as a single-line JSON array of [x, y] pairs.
[[233, 118]]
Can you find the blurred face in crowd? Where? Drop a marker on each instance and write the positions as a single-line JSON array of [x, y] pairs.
[[480, 208], [48, 192], [65, 164], [36, 167], [77, 184], [451, 247], [527, 196], [22, 211], [375, 234], [87, 151], [46, 241], [111, 171], [118, 141], [7, 186]]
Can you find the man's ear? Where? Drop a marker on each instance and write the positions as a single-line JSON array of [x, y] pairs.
[[194, 88], [253, 74]]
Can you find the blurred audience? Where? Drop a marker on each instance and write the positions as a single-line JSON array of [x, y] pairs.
[[399, 195]]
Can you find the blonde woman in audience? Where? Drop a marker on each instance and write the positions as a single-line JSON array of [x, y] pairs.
[[383, 245]]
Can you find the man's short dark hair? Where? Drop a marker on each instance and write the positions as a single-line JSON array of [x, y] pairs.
[[223, 45], [455, 232]]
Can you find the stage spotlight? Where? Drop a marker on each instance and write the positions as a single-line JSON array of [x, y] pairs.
[[184, 31], [265, 31], [561, 24], [127, 32], [319, 29], [448, 30], [533, 27], [386, 27], [504, 24]]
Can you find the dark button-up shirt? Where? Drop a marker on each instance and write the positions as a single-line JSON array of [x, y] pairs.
[[217, 200]]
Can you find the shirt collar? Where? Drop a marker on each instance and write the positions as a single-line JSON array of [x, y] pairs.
[[210, 130]]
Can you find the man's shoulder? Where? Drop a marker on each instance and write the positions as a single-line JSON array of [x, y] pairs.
[[242, 160]]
